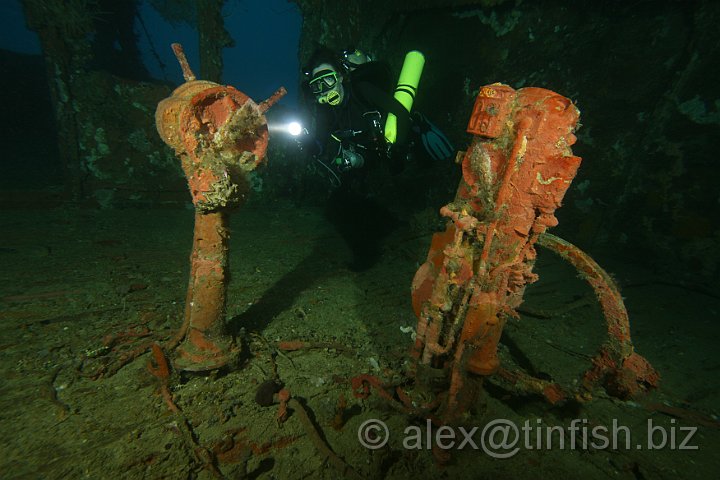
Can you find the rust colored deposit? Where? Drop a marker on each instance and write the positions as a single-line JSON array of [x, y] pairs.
[[220, 135], [514, 176]]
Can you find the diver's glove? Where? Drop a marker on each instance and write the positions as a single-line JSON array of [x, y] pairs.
[[434, 141]]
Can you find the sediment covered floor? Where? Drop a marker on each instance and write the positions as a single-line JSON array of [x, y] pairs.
[[71, 278]]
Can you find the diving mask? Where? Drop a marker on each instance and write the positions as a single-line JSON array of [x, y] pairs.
[[323, 81]]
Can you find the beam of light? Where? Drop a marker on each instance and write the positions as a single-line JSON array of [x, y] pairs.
[[294, 128]]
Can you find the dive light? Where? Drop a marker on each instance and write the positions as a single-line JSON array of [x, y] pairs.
[[295, 128]]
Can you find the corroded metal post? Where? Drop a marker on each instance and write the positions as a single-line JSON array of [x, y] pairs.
[[220, 135]]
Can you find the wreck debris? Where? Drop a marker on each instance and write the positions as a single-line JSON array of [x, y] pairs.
[[623, 372], [220, 135], [515, 174], [316, 438], [50, 393], [162, 372]]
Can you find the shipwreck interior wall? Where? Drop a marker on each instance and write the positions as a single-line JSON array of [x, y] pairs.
[[101, 103], [642, 73]]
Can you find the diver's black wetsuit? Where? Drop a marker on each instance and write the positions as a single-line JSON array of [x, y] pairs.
[[362, 221], [368, 96]]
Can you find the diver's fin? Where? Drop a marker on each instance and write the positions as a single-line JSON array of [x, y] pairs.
[[436, 144]]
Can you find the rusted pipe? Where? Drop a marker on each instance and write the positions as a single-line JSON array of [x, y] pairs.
[[188, 74], [207, 345]]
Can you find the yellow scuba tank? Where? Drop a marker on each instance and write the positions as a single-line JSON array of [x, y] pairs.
[[405, 90]]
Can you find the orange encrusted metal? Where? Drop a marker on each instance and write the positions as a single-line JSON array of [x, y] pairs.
[[492, 106], [514, 176], [220, 135]]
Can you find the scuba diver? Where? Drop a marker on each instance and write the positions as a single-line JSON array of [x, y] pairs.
[[353, 98]]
